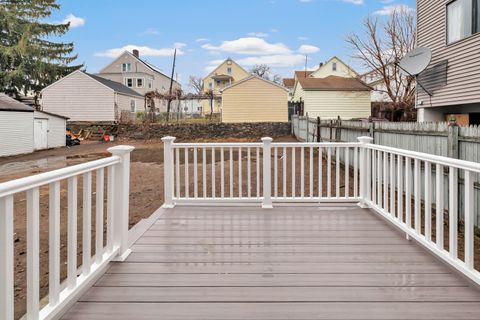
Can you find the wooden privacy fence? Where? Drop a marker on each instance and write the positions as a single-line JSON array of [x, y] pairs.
[[439, 139]]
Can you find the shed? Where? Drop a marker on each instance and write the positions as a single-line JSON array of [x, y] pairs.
[[85, 97], [49, 130], [255, 99]]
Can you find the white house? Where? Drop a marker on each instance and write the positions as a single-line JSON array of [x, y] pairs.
[[23, 130]]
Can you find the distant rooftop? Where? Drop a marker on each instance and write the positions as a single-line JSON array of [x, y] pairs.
[[9, 104]]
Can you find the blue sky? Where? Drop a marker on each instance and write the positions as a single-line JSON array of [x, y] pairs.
[[276, 32]]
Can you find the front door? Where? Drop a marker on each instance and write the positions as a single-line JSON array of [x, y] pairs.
[[40, 131]]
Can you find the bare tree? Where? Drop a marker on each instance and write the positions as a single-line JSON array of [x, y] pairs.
[[380, 46], [264, 71], [196, 83]]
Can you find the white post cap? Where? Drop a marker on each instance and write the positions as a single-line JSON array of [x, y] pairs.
[[168, 139], [365, 139], [267, 139], [119, 150]]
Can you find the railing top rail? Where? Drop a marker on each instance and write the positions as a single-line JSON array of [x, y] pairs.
[[456, 163], [23, 184], [317, 144], [218, 144]]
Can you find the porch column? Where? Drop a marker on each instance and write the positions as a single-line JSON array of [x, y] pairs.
[[364, 170], [267, 174], [168, 171]]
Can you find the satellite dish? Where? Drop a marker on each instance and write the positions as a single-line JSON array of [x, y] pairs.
[[415, 61]]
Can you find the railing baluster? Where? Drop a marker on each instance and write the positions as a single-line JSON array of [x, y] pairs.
[[72, 233], [311, 172], [469, 220], [258, 172], [284, 181], [213, 173], [240, 191], [177, 172], [222, 172], [195, 173], [54, 244], [428, 201], [320, 172], [453, 212], [275, 175], [204, 172], [302, 172], [408, 192], [392, 185], [33, 251], [187, 183], [380, 179], [99, 215], [110, 217], [7, 275], [375, 176], [337, 172], [355, 172], [249, 177], [231, 172], [347, 173], [385, 181], [329, 172], [400, 188], [368, 179], [87, 223], [293, 173], [417, 195], [439, 204]]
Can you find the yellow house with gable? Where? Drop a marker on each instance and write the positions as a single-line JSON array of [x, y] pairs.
[[226, 74]]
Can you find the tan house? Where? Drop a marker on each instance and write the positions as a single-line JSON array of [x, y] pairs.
[[254, 99], [140, 76], [85, 97], [226, 74], [333, 90]]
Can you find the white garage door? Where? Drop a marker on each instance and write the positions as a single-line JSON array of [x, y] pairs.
[[40, 130]]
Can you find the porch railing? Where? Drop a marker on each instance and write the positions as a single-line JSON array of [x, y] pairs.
[[390, 181], [116, 170]]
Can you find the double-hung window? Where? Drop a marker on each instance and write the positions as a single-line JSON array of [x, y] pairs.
[[139, 82], [463, 19], [129, 82], [126, 67]]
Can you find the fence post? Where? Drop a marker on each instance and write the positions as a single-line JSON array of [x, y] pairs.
[[267, 173], [307, 128], [319, 134], [168, 172], [363, 170], [121, 195], [371, 130], [338, 130], [452, 141]]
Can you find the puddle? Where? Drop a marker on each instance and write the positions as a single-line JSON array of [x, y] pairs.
[[37, 165]]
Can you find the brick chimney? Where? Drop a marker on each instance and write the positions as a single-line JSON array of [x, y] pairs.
[[136, 53]]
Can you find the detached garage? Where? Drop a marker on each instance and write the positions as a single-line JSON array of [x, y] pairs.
[[255, 99], [23, 130]]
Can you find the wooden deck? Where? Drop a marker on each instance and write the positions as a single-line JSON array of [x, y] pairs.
[[287, 263]]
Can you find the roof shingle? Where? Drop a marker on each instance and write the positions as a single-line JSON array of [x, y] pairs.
[[333, 83]]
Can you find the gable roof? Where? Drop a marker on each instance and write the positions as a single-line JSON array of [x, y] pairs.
[[115, 86], [333, 83], [9, 104], [289, 82], [254, 77], [341, 61], [233, 61]]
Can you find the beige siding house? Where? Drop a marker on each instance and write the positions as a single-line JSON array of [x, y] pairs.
[[332, 91], [226, 74], [451, 29], [255, 99], [84, 97], [140, 76]]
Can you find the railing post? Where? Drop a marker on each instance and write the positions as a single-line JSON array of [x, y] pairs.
[[168, 172], [121, 199], [363, 170], [7, 262], [267, 174]]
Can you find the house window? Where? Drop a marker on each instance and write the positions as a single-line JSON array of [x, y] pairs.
[[210, 86], [150, 84], [139, 82], [129, 82], [133, 106], [126, 67], [463, 19], [334, 66], [229, 70], [218, 82]]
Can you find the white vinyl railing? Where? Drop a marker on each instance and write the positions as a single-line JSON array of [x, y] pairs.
[[388, 180], [117, 170]]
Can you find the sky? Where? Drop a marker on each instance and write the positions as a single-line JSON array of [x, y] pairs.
[[279, 33]]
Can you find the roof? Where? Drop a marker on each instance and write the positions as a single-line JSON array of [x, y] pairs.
[[289, 82], [254, 77], [115, 86], [333, 83], [233, 61], [53, 114], [9, 104], [303, 74]]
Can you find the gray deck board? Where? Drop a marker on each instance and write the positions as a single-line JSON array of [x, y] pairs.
[[288, 263]]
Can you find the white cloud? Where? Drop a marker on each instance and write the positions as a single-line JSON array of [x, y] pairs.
[[199, 40], [301, 38], [388, 10], [249, 46], [308, 49], [278, 60], [209, 69], [144, 51], [355, 2], [258, 34], [305, 1], [150, 32], [74, 21]]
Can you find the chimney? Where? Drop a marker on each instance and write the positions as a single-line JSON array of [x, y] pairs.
[[136, 53], [321, 64]]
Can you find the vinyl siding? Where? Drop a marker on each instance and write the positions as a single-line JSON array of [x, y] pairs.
[[123, 104], [299, 93], [463, 57], [16, 133], [333, 104], [255, 100], [80, 98], [327, 70], [56, 129]]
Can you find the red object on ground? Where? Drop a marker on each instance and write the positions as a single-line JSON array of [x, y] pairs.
[[106, 138]]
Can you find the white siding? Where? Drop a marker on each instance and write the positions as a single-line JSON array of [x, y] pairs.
[[56, 129], [16, 133], [80, 98], [333, 104], [299, 93], [124, 107]]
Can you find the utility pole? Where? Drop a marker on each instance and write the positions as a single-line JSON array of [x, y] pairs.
[[171, 85]]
